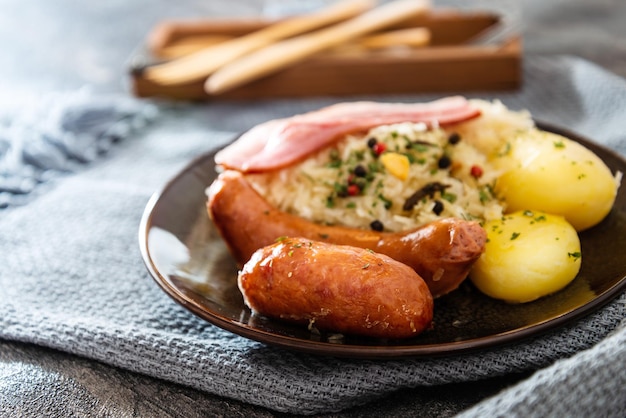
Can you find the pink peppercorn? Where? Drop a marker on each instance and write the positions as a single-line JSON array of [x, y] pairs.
[[476, 171]]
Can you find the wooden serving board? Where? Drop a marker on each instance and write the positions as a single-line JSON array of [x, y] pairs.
[[451, 62]]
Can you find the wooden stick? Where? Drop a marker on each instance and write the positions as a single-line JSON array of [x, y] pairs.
[[283, 54], [201, 64]]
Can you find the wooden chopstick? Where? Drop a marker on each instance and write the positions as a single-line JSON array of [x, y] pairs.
[[285, 53], [201, 64]]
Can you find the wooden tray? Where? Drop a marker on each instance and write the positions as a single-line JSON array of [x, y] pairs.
[[453, 62]]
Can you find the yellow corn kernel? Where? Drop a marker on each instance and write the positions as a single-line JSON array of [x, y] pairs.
[[396, 164]]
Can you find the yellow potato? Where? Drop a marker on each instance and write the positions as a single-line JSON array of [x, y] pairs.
[[528, 255], [547, 172]]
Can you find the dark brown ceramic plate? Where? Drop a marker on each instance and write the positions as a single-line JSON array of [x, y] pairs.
[[189, 261]]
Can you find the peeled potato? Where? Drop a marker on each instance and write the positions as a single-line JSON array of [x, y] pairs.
[[528, 255], [547, 172]]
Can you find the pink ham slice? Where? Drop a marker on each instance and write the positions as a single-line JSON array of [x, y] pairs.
[[281, 142]]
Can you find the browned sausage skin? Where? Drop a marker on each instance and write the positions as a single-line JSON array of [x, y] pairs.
[[441, 252], [336, 288]]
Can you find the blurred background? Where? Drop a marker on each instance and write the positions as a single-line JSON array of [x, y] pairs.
[[55, 45]]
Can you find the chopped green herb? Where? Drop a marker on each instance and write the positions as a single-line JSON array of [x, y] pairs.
[[469, 216], [361, 182], [575, 255], [514, 235], [388, 203], [421, 147], [559, 144], [450, 197], [410, 157], [374, 167], [341, 189], [484, 196], [334, 164], [506, 150]]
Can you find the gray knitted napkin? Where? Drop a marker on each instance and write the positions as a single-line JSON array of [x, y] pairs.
[[72, 278], [45, 137]]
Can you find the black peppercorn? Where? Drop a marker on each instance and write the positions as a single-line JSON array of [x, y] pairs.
[[454, 138], [360, 171], [444, 162], [438, 207], [377, 225]]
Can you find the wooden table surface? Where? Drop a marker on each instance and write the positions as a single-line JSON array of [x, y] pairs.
[[37, 37]]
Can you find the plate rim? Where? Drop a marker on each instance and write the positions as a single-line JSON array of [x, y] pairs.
[[516, 335]]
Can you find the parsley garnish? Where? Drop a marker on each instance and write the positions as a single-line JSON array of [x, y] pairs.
[[575, 255]]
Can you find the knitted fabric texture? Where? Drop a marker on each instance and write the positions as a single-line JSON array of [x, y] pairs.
[[43, 138], [72, 277]]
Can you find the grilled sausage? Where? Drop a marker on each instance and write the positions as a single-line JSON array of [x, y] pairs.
[[336, 288], [441, 252]]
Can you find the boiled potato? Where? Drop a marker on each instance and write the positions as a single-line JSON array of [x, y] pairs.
[[547, 172], [528, 255]]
